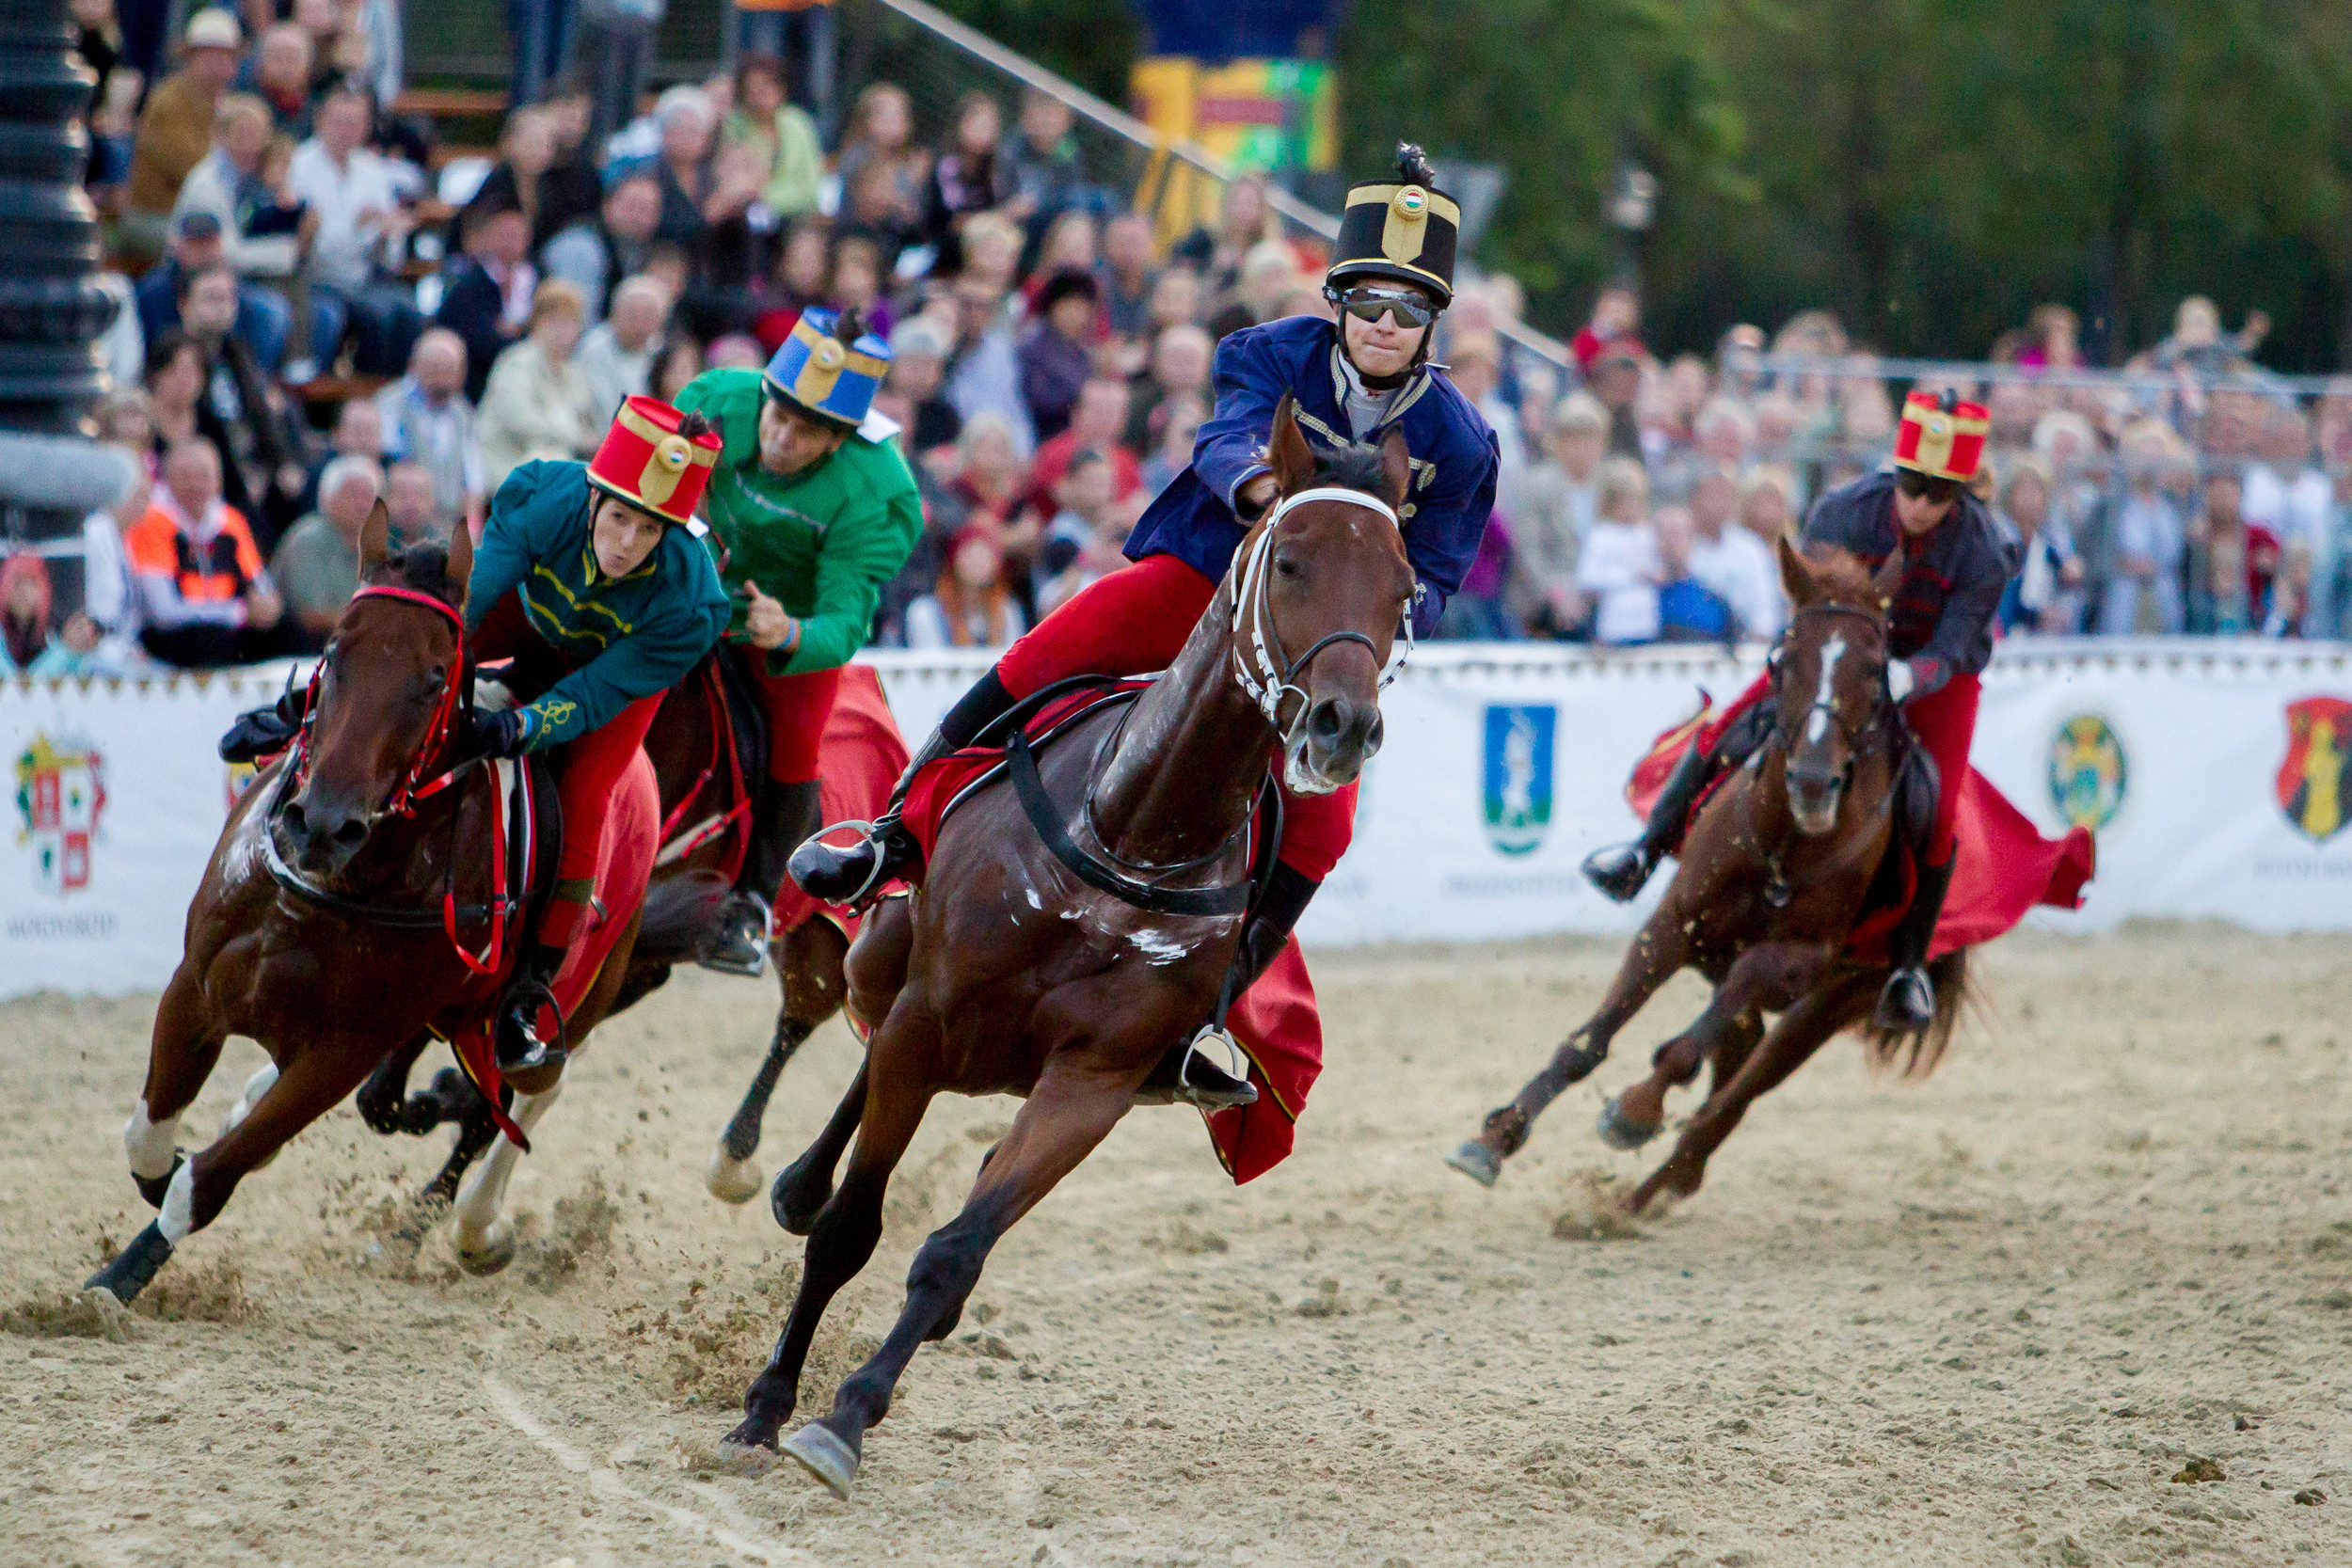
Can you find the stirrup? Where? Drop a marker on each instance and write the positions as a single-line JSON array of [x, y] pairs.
[[540, 996], [1620, 871], [871, 839], [720, 950], [1209, 1093]]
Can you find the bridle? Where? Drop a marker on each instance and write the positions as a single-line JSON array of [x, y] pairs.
[[1260, 666], [418, 782], [1860, 740]]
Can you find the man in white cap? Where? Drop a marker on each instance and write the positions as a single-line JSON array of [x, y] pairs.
[[175, 130]]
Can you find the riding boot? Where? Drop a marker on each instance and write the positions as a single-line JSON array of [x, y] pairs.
[[529, 995], [266, 731], [1907, 1005], [1203, 1082], [782, 815], [888, 850], [1623, 869]]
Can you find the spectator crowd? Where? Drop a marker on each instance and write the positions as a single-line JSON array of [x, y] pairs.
[[328, 309]]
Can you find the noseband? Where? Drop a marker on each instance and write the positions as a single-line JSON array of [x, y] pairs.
[[1263, 670]]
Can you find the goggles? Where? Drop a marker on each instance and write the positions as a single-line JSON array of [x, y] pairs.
[[1410, 305], [1911, 482]]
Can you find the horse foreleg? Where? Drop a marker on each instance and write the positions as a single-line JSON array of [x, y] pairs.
[[485, 1240], [1634, 1118], [309, 1086], [1662, 948], [842, 1235], [182, 1050], [1069, 1112], [805, 1186], [1811, 1019]]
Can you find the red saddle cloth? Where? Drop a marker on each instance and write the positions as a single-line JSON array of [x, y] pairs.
[[2002, 867], [859, 762], [632, 831], [1275, 1022]]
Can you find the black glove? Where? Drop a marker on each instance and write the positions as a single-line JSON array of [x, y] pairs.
[[500, 735], [266, 731]]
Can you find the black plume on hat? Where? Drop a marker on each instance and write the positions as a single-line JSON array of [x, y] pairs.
[[850, 327], [1413, 165]]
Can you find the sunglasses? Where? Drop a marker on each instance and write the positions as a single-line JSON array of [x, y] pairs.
[[1916, 485], [1370, 305]]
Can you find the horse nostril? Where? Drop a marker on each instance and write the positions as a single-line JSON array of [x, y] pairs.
[[1330, 719], [298, 827], [1374, 736], [351, 833]]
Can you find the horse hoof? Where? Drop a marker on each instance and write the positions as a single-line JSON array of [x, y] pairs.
[[730, 1179], [1618, 1132], [1477, 1161], [824, 1456], [494, 1252], [790, 1205]]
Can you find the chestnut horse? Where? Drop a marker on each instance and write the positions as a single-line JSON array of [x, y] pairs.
[[1775, 870], [705, 811], [1007, 974], [318, 931]]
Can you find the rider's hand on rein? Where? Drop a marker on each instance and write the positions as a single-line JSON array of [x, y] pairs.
[[500, 735]]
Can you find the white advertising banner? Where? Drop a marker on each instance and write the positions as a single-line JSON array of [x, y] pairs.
[[2217, 776]]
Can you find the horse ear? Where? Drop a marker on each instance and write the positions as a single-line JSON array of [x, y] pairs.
[[1795, 575], [1294, 460], [375, 539], [1396, 467], [459, 568], [1888, 578]]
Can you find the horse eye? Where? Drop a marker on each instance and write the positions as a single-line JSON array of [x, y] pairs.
[[1286, 567]]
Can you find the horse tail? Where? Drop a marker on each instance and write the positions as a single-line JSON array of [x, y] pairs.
[[1921, 1050], [677, 912]]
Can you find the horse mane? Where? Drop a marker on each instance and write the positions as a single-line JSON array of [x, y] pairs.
[[1843, 577], [1350, 466]]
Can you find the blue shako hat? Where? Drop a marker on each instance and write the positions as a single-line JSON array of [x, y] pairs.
[[829, 369]]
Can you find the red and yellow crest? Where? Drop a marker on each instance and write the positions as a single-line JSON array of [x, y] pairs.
[[2315, 778], [1940, 442]]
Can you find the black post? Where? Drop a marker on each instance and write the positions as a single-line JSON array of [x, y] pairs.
[[51, 306]]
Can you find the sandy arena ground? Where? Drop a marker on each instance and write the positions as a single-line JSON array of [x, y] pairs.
[[1986, 1319]]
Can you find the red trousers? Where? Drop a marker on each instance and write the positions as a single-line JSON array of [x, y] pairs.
[[1134, 622], [586, 769], [797, 707], [1945, 721]]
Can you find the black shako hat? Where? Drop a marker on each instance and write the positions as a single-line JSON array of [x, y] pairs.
[[1402, 228]]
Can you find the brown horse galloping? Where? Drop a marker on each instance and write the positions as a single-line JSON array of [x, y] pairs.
[[318, 931], [1775, 873], [1007, 974]]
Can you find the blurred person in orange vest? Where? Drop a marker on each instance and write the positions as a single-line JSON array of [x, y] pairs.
[[205, 597]]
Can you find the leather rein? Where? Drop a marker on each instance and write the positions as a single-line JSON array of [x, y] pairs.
[[419, 780]]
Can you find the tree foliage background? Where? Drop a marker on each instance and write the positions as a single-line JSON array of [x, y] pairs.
[[1928, 169]]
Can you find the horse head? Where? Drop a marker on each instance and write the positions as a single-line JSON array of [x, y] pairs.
[[385, 695], [1320, 587], [1830, 675]]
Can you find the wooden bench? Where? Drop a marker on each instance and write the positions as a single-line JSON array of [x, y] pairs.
[[452, 101]]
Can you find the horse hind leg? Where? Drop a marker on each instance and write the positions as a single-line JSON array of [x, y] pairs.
[[809, 959], [1662, 949], [805, 1186], [485, 1238], [1832, 999]]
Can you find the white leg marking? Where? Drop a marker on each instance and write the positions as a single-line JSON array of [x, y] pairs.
[[152, 1145], [482, 1199], [179, 1202], [255, 1088]]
